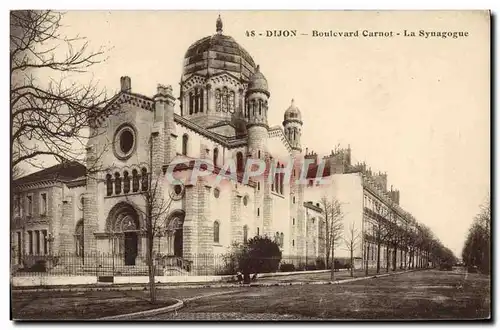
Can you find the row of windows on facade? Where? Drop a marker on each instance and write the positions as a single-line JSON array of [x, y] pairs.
[[136, 180], [375, 206], [240, 164], [224, 100], [28, 204], [292, 133], [371, 252], [279, 238], [37, 242], [255, 106]]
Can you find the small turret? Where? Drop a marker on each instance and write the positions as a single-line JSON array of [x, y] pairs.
[[292, 123]]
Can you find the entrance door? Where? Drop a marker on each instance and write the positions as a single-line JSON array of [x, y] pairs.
[[178, 243], [130, 248]]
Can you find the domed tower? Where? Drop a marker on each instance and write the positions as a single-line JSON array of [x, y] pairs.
[[214, 80], [256, 112], [292, 124]]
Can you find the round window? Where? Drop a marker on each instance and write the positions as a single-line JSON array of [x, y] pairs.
[[177, 192], [124, 142]]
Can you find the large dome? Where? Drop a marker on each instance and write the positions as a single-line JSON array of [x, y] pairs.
[[217, 53]]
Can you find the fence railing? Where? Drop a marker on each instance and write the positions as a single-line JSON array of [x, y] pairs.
[[107, 264]]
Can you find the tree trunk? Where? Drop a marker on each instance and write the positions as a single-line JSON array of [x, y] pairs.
[[378, 256], [406, 256], [394, 258], [332, 274], [387, 256], [366, 259], [352, 259], [151, 270], [246, 278]]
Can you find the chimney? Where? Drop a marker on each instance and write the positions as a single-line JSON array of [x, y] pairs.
[[125, 84]]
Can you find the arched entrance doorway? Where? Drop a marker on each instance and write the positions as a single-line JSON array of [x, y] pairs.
[[175, 233], [124, 229]]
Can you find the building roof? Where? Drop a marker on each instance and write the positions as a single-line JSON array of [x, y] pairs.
[[64, 172], [216, 53], [292, 113], [258, 82]]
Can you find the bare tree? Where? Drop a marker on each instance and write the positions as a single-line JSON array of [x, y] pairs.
[[332, 211], [382, 230], [351, 242], [155, 212], [17, 172], [50, 108]]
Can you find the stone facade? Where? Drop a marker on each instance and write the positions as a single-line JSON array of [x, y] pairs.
[[223, 119]]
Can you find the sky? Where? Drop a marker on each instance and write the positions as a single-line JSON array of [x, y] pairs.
[[415, 108]]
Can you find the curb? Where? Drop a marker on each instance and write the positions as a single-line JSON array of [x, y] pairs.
[[150, 312], [201, 286], [180, 304]]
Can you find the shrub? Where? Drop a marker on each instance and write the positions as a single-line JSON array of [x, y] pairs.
[[229, 265], [320, 263], [39, 266], [286, 267], [258, 255], [311, 267]]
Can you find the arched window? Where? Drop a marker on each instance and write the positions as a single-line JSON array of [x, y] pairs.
[[260, 107], [216, 231], [277, 179], [118, 183], [135, 181], [258, 154], [185, 140], [245, 234], [232, 102], [258, 231], [216, 155], [225, 101], [109, 185], [201, 99], [144, 179], [79, 238], [277, 238], [282, 179], [191, 103], [239, 162], [196, 100], [282, 240], [126, 182], [218, 103]]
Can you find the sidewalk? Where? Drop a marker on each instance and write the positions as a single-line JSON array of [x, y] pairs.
[[276, 279]]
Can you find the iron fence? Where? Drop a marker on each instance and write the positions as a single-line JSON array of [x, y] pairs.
[[108, 264]]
